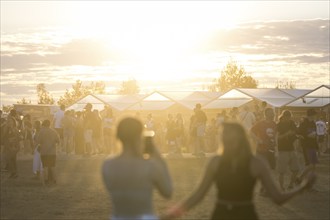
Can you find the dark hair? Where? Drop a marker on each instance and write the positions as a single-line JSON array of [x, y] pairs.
[[285, 114], [46, 123], [129, 129], [37, 125], [13, 112], [236, 143], [267, 111]]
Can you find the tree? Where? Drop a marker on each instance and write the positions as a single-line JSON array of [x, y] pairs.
[[7, 108], [79, 90], [129, 87], [232, 76], [24, 101], [285, 84], [43, 95]]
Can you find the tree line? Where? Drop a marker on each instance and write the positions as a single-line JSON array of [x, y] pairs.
[[231, 76]]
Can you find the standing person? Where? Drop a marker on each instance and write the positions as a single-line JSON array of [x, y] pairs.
[[179, 130], [287, 156], [68, 124], [193, 134], [150, 124], [37, 164], [108, 130], [307, 130], [321, 132], [57, 123], [11, 138], [88, 128], [27, 128], [201, 127], [247, 118], [264, 133], [235, 174], [220, 119], [130, 178], [233, 114], [97, 132], [79, 134], [48, 139], [171, 135], [4, 164]]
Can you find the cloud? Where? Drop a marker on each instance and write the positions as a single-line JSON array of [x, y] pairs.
[[85, 52], [278, 37]]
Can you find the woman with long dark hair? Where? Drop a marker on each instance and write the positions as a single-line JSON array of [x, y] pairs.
[[235, 174]]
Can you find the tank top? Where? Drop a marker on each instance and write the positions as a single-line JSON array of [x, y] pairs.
[[235, 186]]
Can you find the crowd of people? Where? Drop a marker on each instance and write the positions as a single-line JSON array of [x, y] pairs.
[[234, 171]]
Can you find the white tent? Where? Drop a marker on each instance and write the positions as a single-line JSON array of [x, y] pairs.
[[240, 96], [80, 104], [120, 102], [189, 99], [233, 98], [153, 102], [319, 97]]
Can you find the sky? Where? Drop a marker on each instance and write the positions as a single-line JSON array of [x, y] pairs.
[[164, 45]]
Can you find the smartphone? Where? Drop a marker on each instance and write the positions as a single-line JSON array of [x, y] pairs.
[[149, 145]]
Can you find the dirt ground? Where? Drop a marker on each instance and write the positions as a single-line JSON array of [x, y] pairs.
[[80, 193]]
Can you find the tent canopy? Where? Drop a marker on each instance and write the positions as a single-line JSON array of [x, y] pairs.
[[318, 97], [153, 102], [189, 99], [120, 102], [80, 104], [240, 96]]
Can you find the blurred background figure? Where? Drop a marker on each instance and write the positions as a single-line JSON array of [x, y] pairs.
[[108, 131]]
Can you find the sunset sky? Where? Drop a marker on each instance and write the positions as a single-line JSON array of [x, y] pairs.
[[164, 45]]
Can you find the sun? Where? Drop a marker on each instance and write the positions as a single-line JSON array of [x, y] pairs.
[[156, 40]]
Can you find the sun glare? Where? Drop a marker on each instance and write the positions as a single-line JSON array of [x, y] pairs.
[[155, 39]]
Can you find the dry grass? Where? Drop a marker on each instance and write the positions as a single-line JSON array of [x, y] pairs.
[[80, 193]]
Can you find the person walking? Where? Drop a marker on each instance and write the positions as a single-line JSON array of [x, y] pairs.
[[287, 156], [48, 139], [235, 174], [130, 178], [264, 133], [308, 136]]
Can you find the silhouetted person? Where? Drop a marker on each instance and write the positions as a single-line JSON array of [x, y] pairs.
[[48, 139], [287, 157], [235, 174], [201, 128], [11, 138], [130, 178]]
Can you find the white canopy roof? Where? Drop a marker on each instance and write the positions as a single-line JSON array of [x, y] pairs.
[[153, 102], [161, 100], [240, 96], [120, 102], [189, 99], [80, 105], [318, 97]]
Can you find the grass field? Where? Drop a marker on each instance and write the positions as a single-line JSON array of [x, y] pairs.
[[80, 193]]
